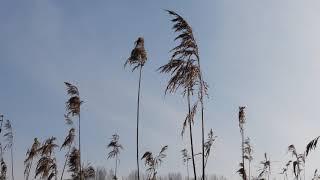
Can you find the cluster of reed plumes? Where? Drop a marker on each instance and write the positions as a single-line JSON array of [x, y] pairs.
[[296, 164], [43, 154], [185, 77]]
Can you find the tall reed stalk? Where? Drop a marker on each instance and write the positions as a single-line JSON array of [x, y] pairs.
[[73, 110], [241, 119], [137, 59], [184, 66], [67, 144]]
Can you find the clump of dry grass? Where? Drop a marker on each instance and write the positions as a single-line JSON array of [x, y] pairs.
[[266, 168], [153, 162], [298, 161], [74, 167], [284, 170], [115, 147]]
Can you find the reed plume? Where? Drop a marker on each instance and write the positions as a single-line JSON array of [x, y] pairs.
[[47, 165], [312, 145], [208, 144], [31, 154], [67, 144], [74, 163], [186, 158], [3, 170], [3, 166]]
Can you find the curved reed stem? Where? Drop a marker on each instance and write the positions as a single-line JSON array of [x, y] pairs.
[[65, 162], [191, 138], [138, 112], [80, 148]]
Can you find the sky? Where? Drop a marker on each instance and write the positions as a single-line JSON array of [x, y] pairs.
[[260, 54]]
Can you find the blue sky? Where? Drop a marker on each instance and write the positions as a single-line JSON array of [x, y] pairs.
[[261, 54]]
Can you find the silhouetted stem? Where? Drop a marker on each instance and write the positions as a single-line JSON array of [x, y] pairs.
[[1, 123], [249, 169], [202, 127], [242, 147], [80, 148], [56, 173], [191, 139], [202, 110], [12, 172], [304, 171], [188, 169], [115, 169], [138, 111]]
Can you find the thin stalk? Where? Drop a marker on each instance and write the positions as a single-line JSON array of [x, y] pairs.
[[188, 169], [80, 148], [138, 111], [304, 171], [56, 173], [242, 147], [191, 139], [202, 113], [202, 127], [12, 174], [115, 169], [65, 163], [249, 169], [1, 123]]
